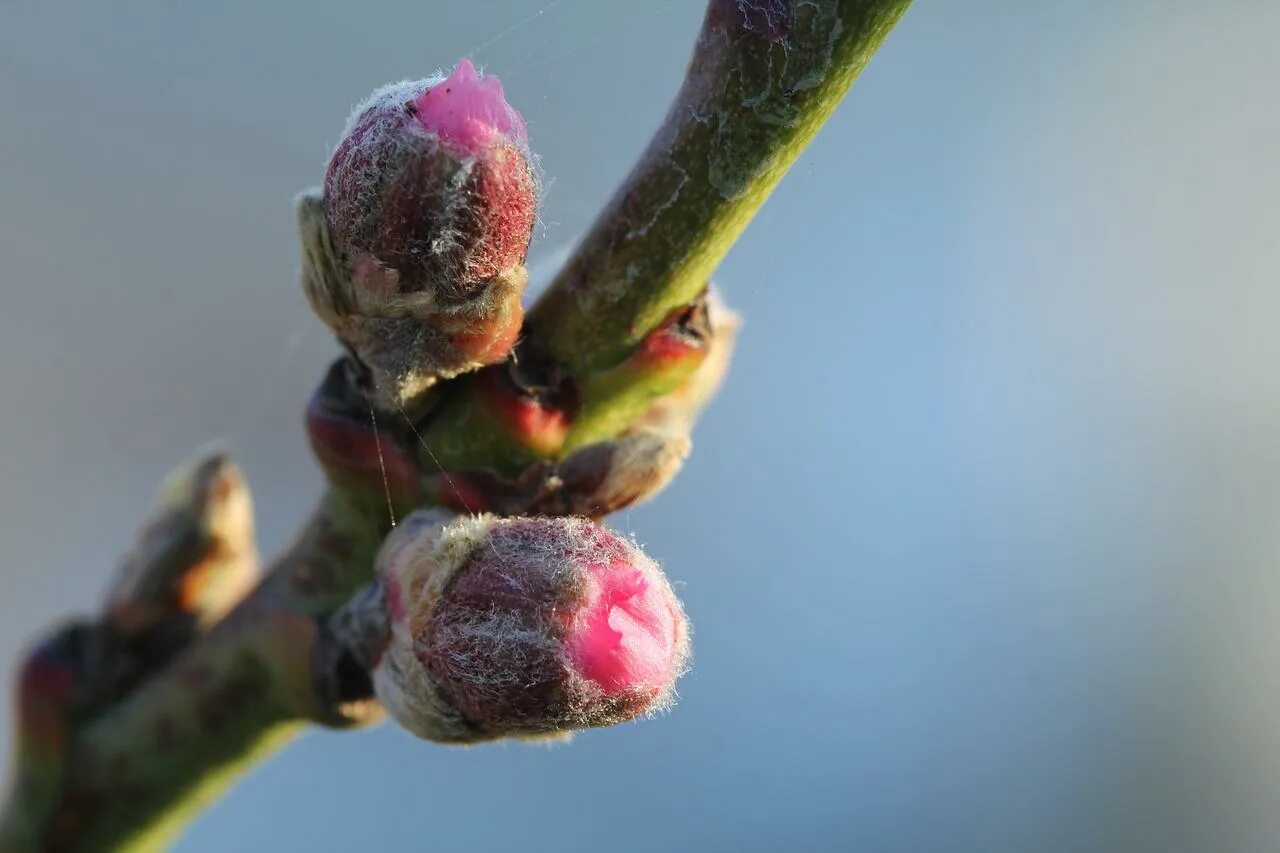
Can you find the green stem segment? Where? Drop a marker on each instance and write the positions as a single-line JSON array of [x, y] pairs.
[[763, 78]]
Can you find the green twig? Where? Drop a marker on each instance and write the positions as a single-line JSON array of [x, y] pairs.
[[763, 79]]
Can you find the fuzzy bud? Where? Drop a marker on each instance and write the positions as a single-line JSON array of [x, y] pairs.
[[523, 627], [428, 207], [430, 187]]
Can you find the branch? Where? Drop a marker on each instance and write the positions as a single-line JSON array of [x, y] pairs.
[[151, 762], [589, 414], [763, 79]]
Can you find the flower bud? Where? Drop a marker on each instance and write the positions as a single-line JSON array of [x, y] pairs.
[[428, 207], [431, 186], [523, 627]]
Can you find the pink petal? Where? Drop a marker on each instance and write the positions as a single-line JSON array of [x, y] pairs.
[[624, 638], [469, 111]]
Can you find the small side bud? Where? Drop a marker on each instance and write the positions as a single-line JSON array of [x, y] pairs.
[[414, 255], [195, 558], [523, 627], [605, 477], [677, 411], [663, 360], [534, 415]]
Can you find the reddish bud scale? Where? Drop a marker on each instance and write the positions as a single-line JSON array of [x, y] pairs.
[[521, 627], [46, 690], [52, 690], [357, 456], [663, 359], [676, 411], [536, 421], [44, 680], [488, 340], [672, 347]]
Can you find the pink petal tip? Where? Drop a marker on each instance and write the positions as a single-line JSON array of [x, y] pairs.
[[469, 110], [625, 636]]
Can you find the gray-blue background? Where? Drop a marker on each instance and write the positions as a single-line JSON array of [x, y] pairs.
[[980, 541]]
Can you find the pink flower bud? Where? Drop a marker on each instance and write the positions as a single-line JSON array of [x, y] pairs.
[[523, 627], [414, 252], [431, 187]]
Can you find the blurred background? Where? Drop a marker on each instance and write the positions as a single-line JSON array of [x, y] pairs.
[[980, 540]]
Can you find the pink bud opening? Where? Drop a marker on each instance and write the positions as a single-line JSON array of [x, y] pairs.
[[468, 110], [523, 626], [625, 636]]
